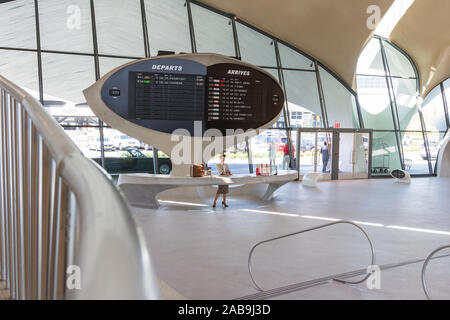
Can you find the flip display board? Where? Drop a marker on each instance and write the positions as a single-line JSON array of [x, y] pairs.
[[171, 92]]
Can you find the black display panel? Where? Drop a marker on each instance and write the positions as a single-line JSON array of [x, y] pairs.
[[165, 96], [169, 93], [240, 97]]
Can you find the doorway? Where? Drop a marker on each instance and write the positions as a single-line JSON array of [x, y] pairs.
[[348, 150], [353, 156], [310, 158]]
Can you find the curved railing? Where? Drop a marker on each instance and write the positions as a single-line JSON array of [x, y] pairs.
[[424, 268], [66, 230], [250, 268]]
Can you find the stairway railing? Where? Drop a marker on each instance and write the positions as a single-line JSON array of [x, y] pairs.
[[289, 288], [66, 231], [425, 265]]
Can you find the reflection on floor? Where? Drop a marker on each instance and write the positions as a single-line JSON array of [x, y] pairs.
[[201, 252]]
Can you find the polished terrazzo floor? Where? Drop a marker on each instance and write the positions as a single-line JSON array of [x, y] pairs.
[[201, 253]]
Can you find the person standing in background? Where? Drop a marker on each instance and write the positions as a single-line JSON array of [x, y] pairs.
[[325, 156], [272, 155], [286, 158]]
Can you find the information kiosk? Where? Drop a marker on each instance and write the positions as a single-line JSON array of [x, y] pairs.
[[182, 104]]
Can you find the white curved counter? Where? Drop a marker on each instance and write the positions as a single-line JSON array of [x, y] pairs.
[[141, 189]]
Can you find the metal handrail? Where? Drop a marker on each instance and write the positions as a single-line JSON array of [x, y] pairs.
[[58, 209], [307, 230], [424, 269]]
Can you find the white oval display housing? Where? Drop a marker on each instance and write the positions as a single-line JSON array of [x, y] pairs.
[[173, 92]]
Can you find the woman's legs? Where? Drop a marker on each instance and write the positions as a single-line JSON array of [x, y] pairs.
[[224, 196], [215, 199]]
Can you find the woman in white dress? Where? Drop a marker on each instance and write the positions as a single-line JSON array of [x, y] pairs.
[[223, 189]]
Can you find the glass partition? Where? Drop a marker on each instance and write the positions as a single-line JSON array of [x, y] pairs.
[[435, 140], [280, 123], [340, 103], [416, 160], [108, 64], [303, 98], [399, 64], [405, 92], [292, 59], [213, 32], [65, 77], [87, 139], [169, 32], [375, 104], [236, 158], [119, 27], [66, 25], [447, 95], [21, 68], [255, 47], [17, 24], [385, 153], [269, 147], [370, 61], [125, 154], [433, 111], [310, 156], [353, 155]]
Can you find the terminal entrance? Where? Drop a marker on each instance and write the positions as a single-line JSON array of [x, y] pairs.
[[336, 153], [310, 157], [353, 162]]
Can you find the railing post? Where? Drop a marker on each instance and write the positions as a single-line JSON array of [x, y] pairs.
[[24, 150], [11, 223], [33, 226], [45, 218], [7, 272], [20, 199], [3, 251], [71, 237], [62, 204], [15, 225], [51, 229], [40, 216]]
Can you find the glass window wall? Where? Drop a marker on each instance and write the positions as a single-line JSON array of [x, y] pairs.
[[388, 97], [65, 29]]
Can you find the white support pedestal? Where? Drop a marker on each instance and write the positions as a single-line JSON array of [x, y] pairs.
[[310, 179], [401, 176]]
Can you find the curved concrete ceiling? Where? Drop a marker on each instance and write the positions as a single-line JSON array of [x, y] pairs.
[[332, 31], [424, 33]]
